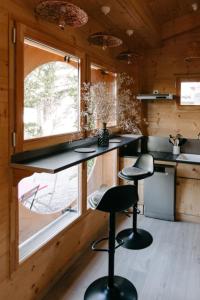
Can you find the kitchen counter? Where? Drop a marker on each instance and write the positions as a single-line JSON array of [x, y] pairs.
[[163, 156], [161, 149], [59, 157], [170, 157]]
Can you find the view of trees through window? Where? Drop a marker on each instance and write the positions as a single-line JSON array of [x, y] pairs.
[[190, 93], [51, 96]]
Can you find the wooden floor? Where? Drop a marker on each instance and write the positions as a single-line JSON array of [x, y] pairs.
[[167, 270]]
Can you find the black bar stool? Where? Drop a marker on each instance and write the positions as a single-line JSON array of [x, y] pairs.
[[135, 238], [115, 199]]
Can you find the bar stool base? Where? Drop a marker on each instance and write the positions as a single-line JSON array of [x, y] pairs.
[[139, 240], [123, 290]]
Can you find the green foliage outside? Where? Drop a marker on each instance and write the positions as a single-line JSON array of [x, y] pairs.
[[47, 89]]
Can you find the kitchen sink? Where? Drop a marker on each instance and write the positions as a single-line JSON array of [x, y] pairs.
[[189, 157]]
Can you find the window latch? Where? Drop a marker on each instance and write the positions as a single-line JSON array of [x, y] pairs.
[[14, 139], [14, 35]]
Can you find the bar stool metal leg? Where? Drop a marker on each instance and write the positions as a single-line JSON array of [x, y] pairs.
[[135, 238], [111, 251], [111, 287]]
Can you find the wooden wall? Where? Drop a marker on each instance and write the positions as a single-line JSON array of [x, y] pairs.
[[30, 278], [4, 138], [160, 68]]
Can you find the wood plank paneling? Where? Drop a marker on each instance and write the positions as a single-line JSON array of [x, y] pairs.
[[37, 273], [160, 69], [4, 138], [180, 25]]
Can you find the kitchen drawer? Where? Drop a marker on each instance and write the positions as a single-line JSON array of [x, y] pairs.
[[188, 171]]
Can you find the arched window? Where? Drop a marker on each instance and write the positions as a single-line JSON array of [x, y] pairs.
[[50, 103], [51, 100]]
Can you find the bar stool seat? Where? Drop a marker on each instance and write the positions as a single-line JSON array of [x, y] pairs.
[[136, 238], [134, 172], [111, 287]]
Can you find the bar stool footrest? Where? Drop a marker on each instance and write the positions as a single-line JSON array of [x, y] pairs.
[[127, 213], [95, 243], [119, 241]]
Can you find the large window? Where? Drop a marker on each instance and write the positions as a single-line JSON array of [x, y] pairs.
[[188, 90], [48, 112], [190, 93], [51, 91], [47, 204]]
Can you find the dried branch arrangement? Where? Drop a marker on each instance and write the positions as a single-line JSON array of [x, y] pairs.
[[128, 107], [101, 105]]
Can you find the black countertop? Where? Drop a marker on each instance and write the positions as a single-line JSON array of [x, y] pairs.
[[164, 156], [59, 157], [170, 157], [55, 159], [161, 149]]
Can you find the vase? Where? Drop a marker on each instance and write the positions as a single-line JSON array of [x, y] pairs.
[[103, 136], [176, 150]]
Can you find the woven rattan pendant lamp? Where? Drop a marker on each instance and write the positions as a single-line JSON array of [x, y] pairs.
[[104, 39], [61, 12], [128, 56]]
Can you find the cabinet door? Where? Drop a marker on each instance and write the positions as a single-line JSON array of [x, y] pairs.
[[188, 196]]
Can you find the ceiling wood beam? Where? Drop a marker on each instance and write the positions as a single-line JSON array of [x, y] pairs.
[[140, 18], [181, 25]]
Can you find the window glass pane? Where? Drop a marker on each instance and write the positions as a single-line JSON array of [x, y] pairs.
[[101, 172], [190, 93], [47, 204], [51, 91], [99, 74]]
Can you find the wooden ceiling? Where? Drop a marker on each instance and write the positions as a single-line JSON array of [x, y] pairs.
[[168, 10], [151, 20]]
